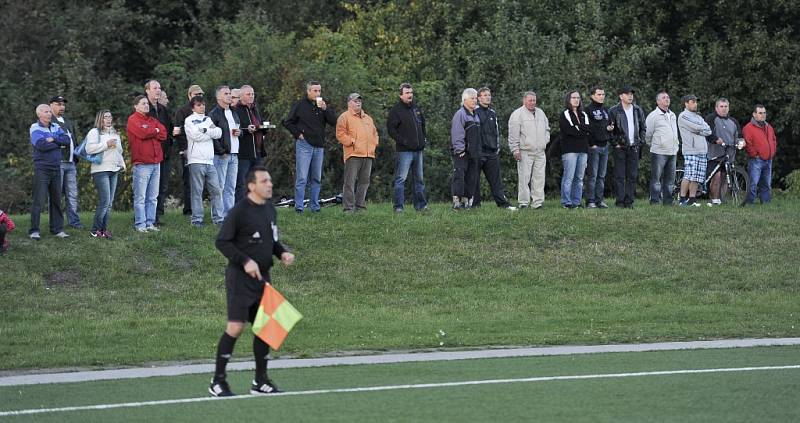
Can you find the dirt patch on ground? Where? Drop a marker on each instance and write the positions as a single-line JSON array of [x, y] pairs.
[[68, 278], [178, 260]]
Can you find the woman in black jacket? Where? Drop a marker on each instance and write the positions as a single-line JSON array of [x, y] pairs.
[[574, 125]]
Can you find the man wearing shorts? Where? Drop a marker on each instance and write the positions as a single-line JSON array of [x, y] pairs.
[[694, 131], [248, 239]]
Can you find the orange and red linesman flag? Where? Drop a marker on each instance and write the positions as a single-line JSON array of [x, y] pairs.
[[275, 317]]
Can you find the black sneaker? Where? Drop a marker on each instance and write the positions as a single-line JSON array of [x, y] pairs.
[[220, 389], [265, 388]]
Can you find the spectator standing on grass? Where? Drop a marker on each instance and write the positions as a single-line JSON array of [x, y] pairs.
[[465, 146], [69, 172], [406, 126], [251, 139], [694, 131], [528, 135], [761, 146], [226, 148], [724, 133], [358, 136], [6, 226], [601, 130], [104, 139], [490, 152], [306, 121], [662, 135], [180, 137], [47, 139], [574, 126], [629, 132], [145, 135], [248, 239], [200, 134], [159, 111]]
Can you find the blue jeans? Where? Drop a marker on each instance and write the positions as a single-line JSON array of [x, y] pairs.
[[47, 182], [572, 178], [596, 174], [409, 160], [145, 194], [106, 184], [205, 176], [662, 178], [227, 169], [760, 172], [69, 179], [308, 166]]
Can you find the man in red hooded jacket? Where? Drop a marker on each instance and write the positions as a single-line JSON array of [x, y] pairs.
[[761, 145], [145, 135]]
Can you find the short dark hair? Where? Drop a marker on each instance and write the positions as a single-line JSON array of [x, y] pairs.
[[594, 89], [658, 94], [759, 106], [251, 174], [405, 85], [220, 88], [198, 99], [311, 83], [482, 90], [138, 98]]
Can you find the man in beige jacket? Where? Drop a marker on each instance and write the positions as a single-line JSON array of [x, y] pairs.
[[528, 135], [356, 131]]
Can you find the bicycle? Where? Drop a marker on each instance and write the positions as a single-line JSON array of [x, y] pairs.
[[736, 184]]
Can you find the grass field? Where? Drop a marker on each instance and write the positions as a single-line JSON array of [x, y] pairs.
[[380, 281], [619, 387]]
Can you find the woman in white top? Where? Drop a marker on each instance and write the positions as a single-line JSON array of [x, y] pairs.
[[104, 139]]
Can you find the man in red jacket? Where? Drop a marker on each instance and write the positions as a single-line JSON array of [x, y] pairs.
[[761, 145], [145, 135]]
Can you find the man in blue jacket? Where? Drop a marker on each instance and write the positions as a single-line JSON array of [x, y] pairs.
[[47, 139]]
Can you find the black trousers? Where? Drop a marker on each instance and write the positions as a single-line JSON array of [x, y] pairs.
[[490, 165], [187, 187], [465, 175], [163, 185], [626, 172]]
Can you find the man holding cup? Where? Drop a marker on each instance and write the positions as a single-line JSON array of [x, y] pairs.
[[306, 122], [226, 149], [251, 138]]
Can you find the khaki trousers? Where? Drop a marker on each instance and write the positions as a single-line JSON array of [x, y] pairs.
[[530, 171]]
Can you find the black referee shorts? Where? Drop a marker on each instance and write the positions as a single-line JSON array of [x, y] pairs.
[[242, 308]]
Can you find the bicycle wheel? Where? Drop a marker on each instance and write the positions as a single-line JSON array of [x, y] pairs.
[[676, 190], [739, 186]]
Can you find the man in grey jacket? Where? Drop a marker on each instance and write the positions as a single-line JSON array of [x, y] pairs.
[[724, 133], [694, 131], [662, 135]]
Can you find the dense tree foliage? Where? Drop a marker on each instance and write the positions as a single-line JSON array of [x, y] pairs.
[[99, 54]]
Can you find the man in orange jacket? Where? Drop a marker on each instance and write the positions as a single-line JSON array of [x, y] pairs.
[[761, 145], [145, 135], [356, 131]]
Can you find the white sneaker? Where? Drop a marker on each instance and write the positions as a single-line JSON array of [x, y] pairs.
[[152, 228], [35, 236], [62, 234], [142, 230], [511, 208]]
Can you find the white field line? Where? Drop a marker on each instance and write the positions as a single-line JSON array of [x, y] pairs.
[[133, 373], [396, 387]]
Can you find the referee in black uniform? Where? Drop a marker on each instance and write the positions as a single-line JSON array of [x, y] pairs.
[[249, 239]]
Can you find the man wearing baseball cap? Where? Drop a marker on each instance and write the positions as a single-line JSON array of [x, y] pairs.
[[629, 134], [694, 131], [356, 131], [69, 172]]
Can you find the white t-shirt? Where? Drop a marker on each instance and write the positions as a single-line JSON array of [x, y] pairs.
[[231, 125], [631, 127]]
